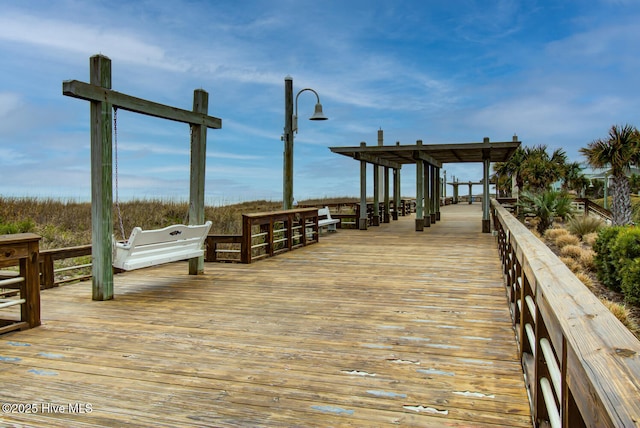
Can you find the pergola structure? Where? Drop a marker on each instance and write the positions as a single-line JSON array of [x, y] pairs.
[[428, 160]]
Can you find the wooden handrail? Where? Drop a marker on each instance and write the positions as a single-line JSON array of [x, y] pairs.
[[211, 247], [48, 257], [577, 357], [21, 249], [297, 227], [591, 207]]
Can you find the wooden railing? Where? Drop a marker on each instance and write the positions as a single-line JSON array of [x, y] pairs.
[[48, 258], [349, 212], [22, 289], [588, 207], [582, 366], [265, 235]]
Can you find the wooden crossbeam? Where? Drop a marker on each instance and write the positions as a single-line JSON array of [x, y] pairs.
[[86, 91], [377, 160], [420, 155]]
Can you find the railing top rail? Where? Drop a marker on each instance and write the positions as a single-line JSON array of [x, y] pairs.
[[279, 213], [603, 356], [18, 237]]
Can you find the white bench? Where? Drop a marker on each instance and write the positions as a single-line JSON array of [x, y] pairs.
[[146, 248], [325, 220]]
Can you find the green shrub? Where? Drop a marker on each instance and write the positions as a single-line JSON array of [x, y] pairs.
[[605, 270], [631, 281], [625, 256], [23, 226]]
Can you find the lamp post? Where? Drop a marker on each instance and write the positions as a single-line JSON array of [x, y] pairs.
[[291, 126]]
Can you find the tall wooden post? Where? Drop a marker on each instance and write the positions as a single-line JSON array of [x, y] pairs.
[[362, 221], [438, 189], [375, 221], [396, 192], [387, 210], [379, 167], [197, 175], [287, 173], [486, 160], [455, 191], [101, 182], [419, 192], [427, 195], [470, 193]]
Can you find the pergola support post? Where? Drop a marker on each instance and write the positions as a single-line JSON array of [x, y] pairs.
[[438, 190], [387, 208], [427, 194], [362, 221], [486, 163], [419, 193], [375, 220], [396, 192], [434, 193]]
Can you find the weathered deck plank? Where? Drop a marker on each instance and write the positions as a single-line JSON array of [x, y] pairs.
[[365, 328]]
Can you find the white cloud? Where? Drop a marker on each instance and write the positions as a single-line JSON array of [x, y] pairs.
[[121, 43]]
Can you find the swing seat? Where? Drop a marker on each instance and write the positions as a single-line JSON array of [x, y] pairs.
[[146, 248]]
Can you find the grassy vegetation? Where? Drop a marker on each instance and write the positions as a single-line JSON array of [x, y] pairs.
[[68, 223]]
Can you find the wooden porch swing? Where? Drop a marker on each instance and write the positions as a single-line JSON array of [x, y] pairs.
[[143, 248], [146, 248]]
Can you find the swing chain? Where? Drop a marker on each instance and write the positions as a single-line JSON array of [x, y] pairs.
[[115, 132]]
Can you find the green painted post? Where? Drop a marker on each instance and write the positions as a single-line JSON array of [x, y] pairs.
[[396, 193], [387, 210], [197, 175], [420, 187], [376, 196], [287, 173], [437, 185], [101, 183], [362, 221], [427, 195], [486, 161]]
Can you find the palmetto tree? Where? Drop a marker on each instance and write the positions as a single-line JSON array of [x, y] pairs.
[[618, 151], [533, 169], [539, 170], [545, 206], [511, 168], [573, 178]]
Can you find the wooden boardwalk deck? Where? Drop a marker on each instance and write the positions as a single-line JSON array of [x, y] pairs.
[[366, 328]]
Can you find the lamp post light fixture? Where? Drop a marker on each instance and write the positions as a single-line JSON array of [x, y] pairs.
[[291, 126]]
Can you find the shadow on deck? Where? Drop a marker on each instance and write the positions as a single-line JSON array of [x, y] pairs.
[[366, 328]]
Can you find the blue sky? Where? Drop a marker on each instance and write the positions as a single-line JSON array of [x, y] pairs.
[[559, 73]]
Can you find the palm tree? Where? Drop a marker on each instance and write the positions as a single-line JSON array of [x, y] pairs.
[[619, 151], [511, 168], [574, 179], [545, 205], [539, 170]]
